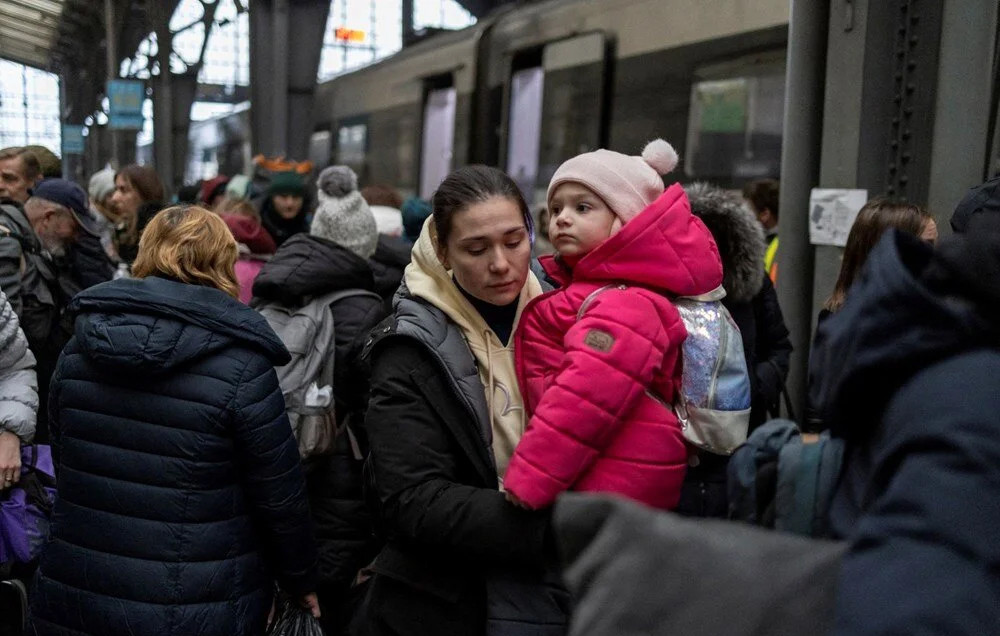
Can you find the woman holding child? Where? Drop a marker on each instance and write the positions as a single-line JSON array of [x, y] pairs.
[[446, 411]]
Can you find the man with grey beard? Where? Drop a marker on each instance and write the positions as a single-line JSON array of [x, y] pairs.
[[35, 275]]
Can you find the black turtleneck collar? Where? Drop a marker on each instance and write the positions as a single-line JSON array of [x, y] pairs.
[[500, 318]]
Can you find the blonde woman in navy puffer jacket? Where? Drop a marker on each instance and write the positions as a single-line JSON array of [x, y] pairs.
[[181, 497]]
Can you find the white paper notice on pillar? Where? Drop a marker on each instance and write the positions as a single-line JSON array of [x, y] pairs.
[[832, 213]]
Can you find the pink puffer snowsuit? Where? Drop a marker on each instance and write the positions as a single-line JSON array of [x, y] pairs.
[[586, 383]]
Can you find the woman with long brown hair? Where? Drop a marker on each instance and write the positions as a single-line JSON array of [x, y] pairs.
[[137, 197], [874, 219], [181, 497]]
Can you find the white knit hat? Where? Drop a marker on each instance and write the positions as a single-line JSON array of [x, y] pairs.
[[101, 185], [343, 215], [388, 220], [627, 184]]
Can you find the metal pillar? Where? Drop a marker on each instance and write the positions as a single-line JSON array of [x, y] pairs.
[[279, 80], [184, 87], [74, 101], [800, 162], [883, 114], [965, 81], [286, 40], [163, 110], [407, 8], [111, 49]]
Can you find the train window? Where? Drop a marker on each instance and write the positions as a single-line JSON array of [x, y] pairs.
[[319, 148], [438, 139], [735, 121], [352, 142]]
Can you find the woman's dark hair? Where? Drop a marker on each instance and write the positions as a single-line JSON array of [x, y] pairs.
[[762, 195], [877, 216], [469, 185], [145, 181], [379, 194]]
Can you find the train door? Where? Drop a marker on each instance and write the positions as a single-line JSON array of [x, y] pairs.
[[352, 144], [524, 123], [438, 134], [555, 108]]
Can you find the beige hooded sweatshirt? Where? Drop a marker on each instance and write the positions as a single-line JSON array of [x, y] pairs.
[[427, 278]]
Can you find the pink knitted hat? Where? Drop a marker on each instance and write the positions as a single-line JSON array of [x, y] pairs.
[[627, 184]]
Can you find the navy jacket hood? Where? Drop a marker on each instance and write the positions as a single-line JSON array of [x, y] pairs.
[[906, 312], [980, 206], [154, 324]]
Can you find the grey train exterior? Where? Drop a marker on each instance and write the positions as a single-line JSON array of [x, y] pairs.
[[534, 85]]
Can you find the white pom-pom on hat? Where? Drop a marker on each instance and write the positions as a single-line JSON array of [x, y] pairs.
[[660, 155]]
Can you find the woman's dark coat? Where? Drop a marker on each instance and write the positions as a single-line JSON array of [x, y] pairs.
[[391, 257], [431, 475], [303, 267], [906, 372], [180, 493], [753, 304]]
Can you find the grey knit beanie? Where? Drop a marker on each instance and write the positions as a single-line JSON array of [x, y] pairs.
[[343, 216]]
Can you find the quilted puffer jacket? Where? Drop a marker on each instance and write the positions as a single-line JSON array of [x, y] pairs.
[[181, 497], [18, 384], [598, 390]]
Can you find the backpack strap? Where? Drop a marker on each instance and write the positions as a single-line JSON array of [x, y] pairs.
[[709, 297], [8, 232], [328, 300], [593, 296], [326, 375], [26, 246]]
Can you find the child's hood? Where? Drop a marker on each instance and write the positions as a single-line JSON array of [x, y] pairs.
[[665, 248]]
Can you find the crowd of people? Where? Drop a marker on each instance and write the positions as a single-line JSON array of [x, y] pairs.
[[374, 407]]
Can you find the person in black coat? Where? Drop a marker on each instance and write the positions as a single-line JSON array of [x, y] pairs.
[[753, 304], [284, 210], [906, 373], [391, 257], [333, 257], [181, 500], [459, 559]]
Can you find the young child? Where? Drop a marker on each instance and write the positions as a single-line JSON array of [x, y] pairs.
[[599, 360]]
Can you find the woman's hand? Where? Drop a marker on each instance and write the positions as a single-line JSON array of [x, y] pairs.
[[512, 498], [10, 459], [311, 603]]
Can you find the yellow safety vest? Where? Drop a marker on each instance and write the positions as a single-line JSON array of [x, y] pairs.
[[771, 260]]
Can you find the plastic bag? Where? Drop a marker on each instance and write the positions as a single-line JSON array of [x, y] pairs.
[[25, 508], [292, 620]]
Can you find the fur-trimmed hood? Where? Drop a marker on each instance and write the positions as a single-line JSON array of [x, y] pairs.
[[737, 233]]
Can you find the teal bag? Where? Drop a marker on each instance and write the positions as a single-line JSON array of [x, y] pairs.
[[777, 481]]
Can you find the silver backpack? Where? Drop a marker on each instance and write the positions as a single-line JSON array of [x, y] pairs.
[[713, 405]]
